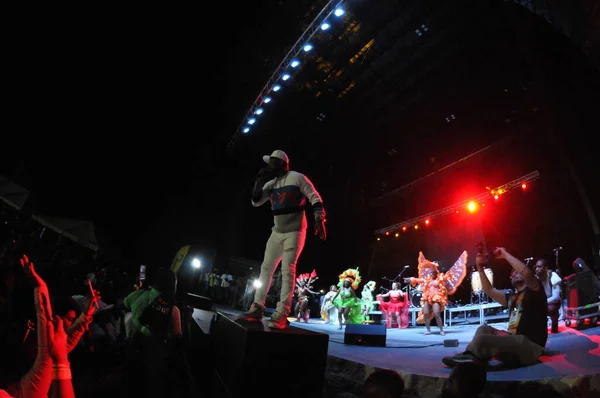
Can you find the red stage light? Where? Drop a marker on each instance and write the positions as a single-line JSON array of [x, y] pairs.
[[472, 206], [523, 185], [404, 229], [417, 226], [426, 222], [496, 197], [387, 233]]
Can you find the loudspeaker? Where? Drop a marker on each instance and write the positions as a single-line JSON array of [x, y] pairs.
[[366, 335], [580, 290], [250, 357]]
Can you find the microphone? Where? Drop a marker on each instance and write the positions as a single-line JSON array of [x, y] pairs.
[[406, 266], [528, 259]]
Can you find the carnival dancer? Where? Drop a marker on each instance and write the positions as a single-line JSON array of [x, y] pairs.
[[288, 192], [329, 311], [348, 304], [367, 300], [303, 286], [436, 287], [396, 308]]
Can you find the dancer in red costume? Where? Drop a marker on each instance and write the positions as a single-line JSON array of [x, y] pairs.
[[437, 286], [396, 308]]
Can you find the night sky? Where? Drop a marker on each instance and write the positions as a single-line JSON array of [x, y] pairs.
[[124, 121]]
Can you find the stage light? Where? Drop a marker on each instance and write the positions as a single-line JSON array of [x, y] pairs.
[[257, 283], [472, 206], [524, 186], [276, 87], [324, 26], [246, 129], [267, 100], [496, 197], [258, 111], [378, 238], [404, 228], [397, 234], [251, 120], [456, 211], [339, 12], [295, 63], [196, 263], [285, 76], [307, 47], [387, 233], [416, 226], [426, 222]]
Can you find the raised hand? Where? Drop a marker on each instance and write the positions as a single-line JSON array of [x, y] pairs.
[[57, 341], [29, 270]]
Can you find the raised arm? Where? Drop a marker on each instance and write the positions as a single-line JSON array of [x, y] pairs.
[[487, 287], [529, 277]]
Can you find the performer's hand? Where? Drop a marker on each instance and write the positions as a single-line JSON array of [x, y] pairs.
[[500, 253], [407, 280], [29, 269], [320, 229]]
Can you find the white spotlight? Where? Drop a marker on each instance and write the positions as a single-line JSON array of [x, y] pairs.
[[295, 63], [257, 283], [276, 87], [196, 263], [246, 129], [251, 120], [285, 76], [267, 100], [324, 26], [339, 12], [307, 47], [258, 111]]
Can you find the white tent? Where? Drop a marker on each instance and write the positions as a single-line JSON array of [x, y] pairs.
[[81, 232], [12, 194]]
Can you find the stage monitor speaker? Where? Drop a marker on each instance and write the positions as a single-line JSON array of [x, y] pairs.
[[581, 290], [365, 335], [250, 357]]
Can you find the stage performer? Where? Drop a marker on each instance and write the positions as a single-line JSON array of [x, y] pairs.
[[396, 308], [436, 287], [329, 311], [348, 305], [303, 286], [367, 299], [287, 190]]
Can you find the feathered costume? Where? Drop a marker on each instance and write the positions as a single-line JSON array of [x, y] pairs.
[[448, 282], [345, 298], [398, 303], [308, 279]]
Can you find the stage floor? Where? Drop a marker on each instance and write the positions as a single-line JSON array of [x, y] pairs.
[[570, 363], [570, 353]]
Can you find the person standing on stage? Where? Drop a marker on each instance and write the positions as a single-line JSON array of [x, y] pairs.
[[288, 192], [527, 333], [551, 283]]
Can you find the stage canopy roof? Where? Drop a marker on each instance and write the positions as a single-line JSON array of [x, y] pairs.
[[12, 194], [82, 232]]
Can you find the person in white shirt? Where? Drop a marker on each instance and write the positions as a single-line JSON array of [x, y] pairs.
[[289, 193], [551, 283]]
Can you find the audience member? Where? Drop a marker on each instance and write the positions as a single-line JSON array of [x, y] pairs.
[[383, 384]]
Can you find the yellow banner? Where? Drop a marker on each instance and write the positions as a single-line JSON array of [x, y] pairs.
[[179, 257]]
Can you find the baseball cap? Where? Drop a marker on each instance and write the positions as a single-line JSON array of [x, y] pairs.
[[279, 154]]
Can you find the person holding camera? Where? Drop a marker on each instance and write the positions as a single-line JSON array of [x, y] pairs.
[[524, 341]]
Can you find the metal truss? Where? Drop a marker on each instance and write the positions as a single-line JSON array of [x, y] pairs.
[[296, 49], [451, 209]]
